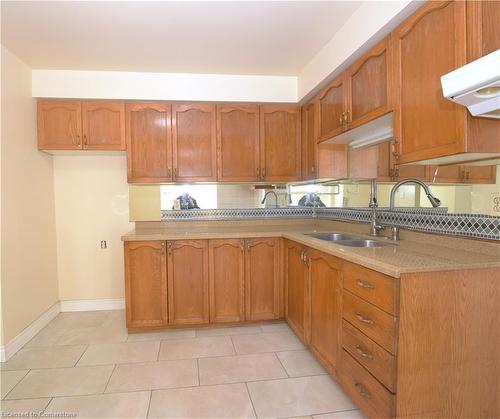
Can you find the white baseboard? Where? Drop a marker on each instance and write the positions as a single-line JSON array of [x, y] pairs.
[[28, 333], [93, 305]]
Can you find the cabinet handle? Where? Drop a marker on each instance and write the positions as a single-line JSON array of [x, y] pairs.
[[263, 173], [302, 255], [347, 118], [84, 140], [162, 248], [78, 142], [306, 258], [248, 246], [169, 246], [362, 319], [175, 173], [364, 284], [242, 246], [362, 390], [341, 119], [258, 173], [364, 354], [169, 173]]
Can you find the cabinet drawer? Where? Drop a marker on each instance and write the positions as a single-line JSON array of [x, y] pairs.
[[374, 358], [373, 398], [379, 289], [373, 322]]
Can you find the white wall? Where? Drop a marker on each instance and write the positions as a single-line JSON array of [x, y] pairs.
[[28, 240], [163, 86], [91, 200]]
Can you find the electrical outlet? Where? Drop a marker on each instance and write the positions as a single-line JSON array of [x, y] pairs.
[[104, 245]]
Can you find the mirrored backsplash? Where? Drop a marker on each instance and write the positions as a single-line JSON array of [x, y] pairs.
[[148, 201]]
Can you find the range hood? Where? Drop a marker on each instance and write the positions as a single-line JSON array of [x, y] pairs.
[[476, 86]]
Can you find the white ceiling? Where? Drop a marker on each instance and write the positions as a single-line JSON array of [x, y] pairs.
[[238, 37]]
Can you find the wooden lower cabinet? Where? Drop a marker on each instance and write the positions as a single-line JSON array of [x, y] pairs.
[[227, 280], [188, 282], [145, 284], [326, 307], [263, 279], [296, 290]]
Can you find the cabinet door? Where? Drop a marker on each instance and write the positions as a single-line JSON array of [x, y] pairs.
[[331, 105], [326, 309], [480, 174], [483, 36], [238, 143], [446, 174], [145, 283], [427, 45], [309, 142], [149, 157], [280, 142], [103, 125], [59, 125], [227, 280], [369, 85], [188, 281], [262, 279], [296, 288], [194, 142]]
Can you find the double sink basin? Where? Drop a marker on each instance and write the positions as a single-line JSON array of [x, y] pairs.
[[347, 240]]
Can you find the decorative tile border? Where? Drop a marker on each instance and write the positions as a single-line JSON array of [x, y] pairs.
[[434, 220], [236, 214]]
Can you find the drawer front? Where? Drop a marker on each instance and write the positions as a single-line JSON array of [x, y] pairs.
[[373, 322], [373, 357], [379, 289], [373, 398]]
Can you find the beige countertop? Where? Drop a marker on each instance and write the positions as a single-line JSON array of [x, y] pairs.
[[416, 252]]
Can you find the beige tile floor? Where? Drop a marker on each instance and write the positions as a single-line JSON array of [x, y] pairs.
[[87, 363]]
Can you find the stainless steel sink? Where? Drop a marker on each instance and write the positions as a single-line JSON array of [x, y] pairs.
[[348, 240], [363, 243], [332, 237]]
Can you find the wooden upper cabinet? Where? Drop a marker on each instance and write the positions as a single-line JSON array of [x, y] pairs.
[[428, 45], [326, 308], [262, 279], [227, 280], [463, 174], [280, 143], [296, 288], [480, 174], [331, 105], [369, 85], [145, 283], [59, 125], [149, 156], [238, 143], [188, 281], [483, 36], [194, 142], [309, 142], [103, 125]]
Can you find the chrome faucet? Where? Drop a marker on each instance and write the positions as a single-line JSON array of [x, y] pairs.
[[373, 204], [265, 197], [435, 202]]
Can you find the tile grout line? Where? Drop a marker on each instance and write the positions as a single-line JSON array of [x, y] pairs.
[[234, 347], [158, 354], [198, 368], [281, 363], [19, 382], [109, 378], [251, 401], [81, 356], [149, 403]]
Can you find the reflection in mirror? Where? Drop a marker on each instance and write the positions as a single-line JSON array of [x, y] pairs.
[[458, 195]]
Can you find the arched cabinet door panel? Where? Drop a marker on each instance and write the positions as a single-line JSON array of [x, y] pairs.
[[145, 283], [149, 146], [238, 147], [59, 125], [194, 142], [227, 280], [188, 281], [103, 125], [262, 279]]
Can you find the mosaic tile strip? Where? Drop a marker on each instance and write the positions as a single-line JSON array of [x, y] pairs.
[[469, 225], [222, 214], [419, 219]]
